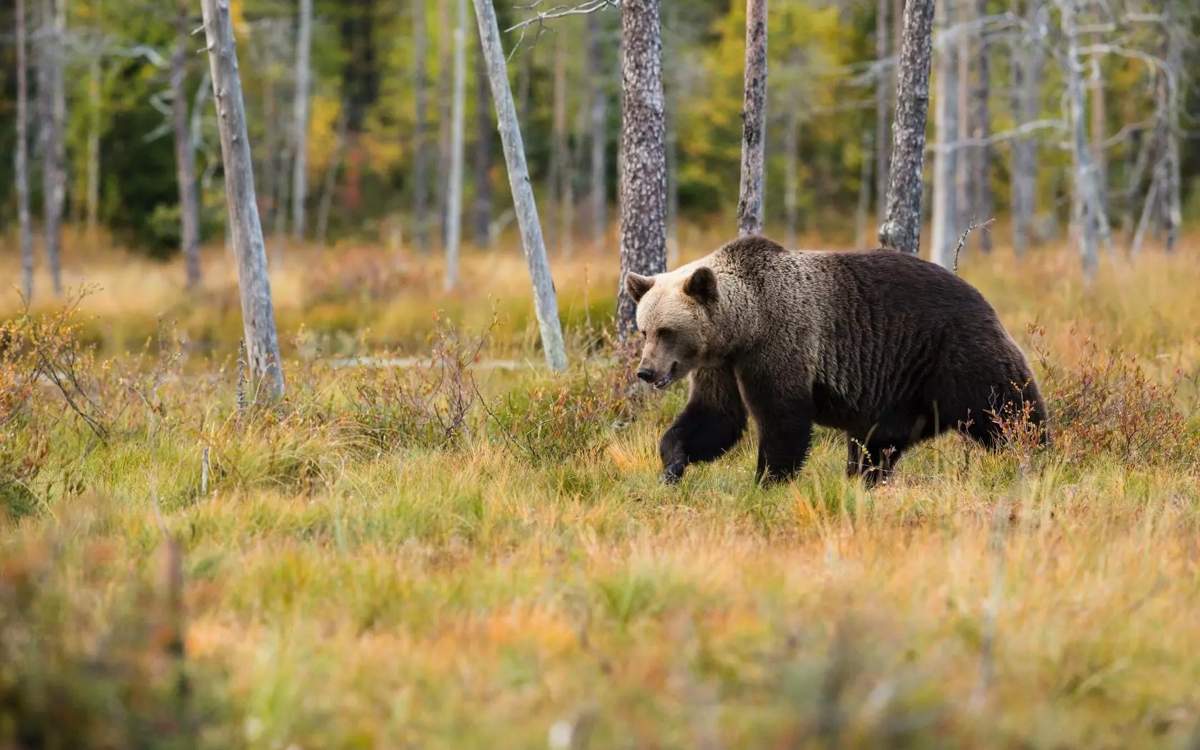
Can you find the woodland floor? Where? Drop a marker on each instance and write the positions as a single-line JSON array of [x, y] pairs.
[[447, 555]]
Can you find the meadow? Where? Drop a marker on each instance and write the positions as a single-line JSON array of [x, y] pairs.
[[433, 542]]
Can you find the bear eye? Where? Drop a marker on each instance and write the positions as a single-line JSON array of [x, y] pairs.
[[665, 333]]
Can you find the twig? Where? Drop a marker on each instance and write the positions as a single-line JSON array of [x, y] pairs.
[[962, 238]]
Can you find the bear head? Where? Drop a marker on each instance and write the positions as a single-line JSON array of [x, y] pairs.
[[675, 315]]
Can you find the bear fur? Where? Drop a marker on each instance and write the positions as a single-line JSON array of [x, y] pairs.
[[883, 345]]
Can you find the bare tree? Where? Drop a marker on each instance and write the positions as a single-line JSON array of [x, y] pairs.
[[185, 157], [1088, 212], [754, 120], [458, 118], [300, 106], [643, 169], [883, 91], [1028, 58], [258, 314], [598, 138], [945, 166], [334, 168], [558, 141], [901, 227], [791, 176], [445, 53], [482, 212], [21, 156], [979, 194], [92, 199], [420, 170], [863, 209], [545, 298], [53, 119]]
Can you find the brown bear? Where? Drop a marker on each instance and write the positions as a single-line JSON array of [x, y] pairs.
[[886, 346]]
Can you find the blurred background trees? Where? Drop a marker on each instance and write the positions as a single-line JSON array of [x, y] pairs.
[[376, 142]]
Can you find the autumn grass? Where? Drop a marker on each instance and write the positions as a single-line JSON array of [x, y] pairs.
[[374, 564]]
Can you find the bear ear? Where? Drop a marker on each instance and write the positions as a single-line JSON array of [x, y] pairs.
[[701, 286], [638, 285]]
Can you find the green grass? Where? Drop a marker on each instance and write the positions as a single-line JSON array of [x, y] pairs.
[[364, 571]]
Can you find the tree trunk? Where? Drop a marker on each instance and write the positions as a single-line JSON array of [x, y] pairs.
[[482, 214], [258, 315], [901, 227], [420, 170], [21, 156], [643, 173], [545, 298], [1097, 121], [754, 120], [329, 183], [883, 91], [558, 140], [458, 118], [1028, 63], [1172, 206], [597, 75], [445, 116], [863, 210], [53, 127], [1087, 209], [945, 167], [982, 201], [300, 119], [791, 178], [185, 158], [92, 205]]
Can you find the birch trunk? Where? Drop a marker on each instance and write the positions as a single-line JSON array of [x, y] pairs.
[[643, 168], [754, 120], [545, 298], [445, 116], [53, 125], [558, 138], [597, 75], [258, 315], [185, 158], [300, 106], [420, 171], [482, 213], [1087, 209], [457, 124], [882, 106], [901, 227], [863, 210], [92, 205], [21, 156], [945, 166], [791, 178], [1099, 116], [982, 201], [1028, 63], [1172, 204]]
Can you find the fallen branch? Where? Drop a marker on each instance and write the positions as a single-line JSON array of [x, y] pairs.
[[962, 238]]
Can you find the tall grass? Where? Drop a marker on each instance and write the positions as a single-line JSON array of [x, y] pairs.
[[467, 551]]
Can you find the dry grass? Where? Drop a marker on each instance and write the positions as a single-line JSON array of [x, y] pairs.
[[400, 558]]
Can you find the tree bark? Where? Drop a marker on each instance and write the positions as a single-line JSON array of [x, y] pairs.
[[754, 120], [21, 156], [458, 118], [300, 119], [1172, 217], [901, 227], [643, 173], [53, 126], [598, 139], [1098, 121], [883, 90], [258, 314], [92, 199], [185, 158], [791, 178], [1087, 209], [445, 82], [482, 213], [1028, 63], [420, 170], [982, 201], [945, 166], [545, 298]]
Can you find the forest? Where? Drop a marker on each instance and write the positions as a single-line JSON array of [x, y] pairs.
[[320, 421]]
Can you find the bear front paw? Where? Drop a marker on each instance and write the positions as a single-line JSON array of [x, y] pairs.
[[673, 473]]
